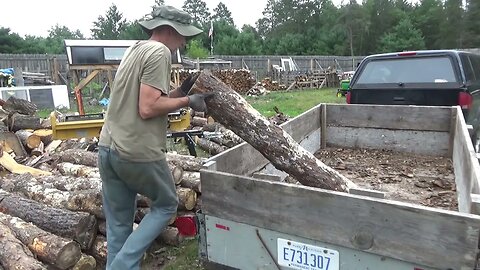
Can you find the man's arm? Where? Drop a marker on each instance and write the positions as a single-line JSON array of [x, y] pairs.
[[152, 103]]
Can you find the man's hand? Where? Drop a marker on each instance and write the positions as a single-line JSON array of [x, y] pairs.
[[188, 83], [197, 101]]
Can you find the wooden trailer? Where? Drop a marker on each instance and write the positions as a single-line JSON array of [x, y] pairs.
[[253, 219]]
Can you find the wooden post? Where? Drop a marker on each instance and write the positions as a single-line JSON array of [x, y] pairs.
[[55, 71], [323, 126], [311, 65], [18, 74]]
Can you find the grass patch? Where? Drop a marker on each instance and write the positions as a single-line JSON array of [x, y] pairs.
[[186, 257], [295, 102]]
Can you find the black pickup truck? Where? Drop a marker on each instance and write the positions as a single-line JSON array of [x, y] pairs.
[[429, 78]]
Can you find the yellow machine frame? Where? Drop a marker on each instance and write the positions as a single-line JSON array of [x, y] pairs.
[[178, 121]]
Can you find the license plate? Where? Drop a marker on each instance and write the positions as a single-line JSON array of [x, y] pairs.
[[302, 256]]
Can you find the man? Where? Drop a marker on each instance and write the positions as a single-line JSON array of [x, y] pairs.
[[133, 139]]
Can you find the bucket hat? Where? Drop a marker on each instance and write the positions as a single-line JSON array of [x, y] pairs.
[[180, 20]]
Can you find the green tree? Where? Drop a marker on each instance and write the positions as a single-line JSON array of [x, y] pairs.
[[356, 25], [110, 26], [244, 43], [56, 37], [222, 12], [195, 49], [9, 42], [403, 37], [473, 24], [452, 26], [198, 10], [34, 44], [427, 17], [158, 3], [133, 31]]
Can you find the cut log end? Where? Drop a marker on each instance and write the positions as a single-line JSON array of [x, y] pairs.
[[86, 262], [187, 198]]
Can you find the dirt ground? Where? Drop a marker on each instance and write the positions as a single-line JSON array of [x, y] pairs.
[[424, 180]]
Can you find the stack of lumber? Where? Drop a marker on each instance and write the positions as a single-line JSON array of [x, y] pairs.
[[56, 219], [241, 80], [35, 78]]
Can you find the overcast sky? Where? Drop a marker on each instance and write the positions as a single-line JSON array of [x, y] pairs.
[[34, 17]]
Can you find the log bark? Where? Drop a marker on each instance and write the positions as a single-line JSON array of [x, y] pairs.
[[28, 139], [229, 138], [14, 254], [79, 226], [20, 106], [188, 163], [49, 248], [210, 147], [198, 121], [38, 151], [67, 168], [99, 250], [78, 156], [142, 211], [187, 198], [177, 173], [171, 236], [192, 180], [86, 262], [233, 111], [17, 122], [70, 183], [46, 135], [89, 201], [51, 147]]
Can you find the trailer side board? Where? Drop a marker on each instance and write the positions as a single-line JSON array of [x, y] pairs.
[[397, 230], [412, 129], [465, 165]]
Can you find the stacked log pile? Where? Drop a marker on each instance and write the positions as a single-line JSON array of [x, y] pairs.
[[51, 213], [57, 220], [241, 80]]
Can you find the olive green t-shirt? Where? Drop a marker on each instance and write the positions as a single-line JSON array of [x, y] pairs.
[[136, 139]]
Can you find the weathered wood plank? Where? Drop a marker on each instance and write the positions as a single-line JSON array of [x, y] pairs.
[[390, 117], [465, 166], [398, 230], [410, 141]]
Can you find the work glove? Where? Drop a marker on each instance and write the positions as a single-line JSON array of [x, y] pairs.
[[197, 101], [188, 83]]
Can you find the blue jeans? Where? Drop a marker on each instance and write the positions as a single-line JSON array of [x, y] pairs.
[[122, 180]]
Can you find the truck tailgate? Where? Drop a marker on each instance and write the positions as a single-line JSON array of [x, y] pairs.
[[402, 96]]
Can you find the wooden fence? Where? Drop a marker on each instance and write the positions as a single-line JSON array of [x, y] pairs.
[[261, 65]]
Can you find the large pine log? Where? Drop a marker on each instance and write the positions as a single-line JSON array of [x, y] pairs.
[[210, 147], [86, 262], [67, 168], [17, 122], [71, 183], [14, 255], [28, 139], [46, 135], [78, 156], [234, 112], [229, 138], [48, 247], [187, 198], [84, 200], [79, 226], [21, 106], [99, 250], [188, 163], [192, 180], [38, 151]]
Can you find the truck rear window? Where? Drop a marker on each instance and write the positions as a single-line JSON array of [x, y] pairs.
[[408, 70]]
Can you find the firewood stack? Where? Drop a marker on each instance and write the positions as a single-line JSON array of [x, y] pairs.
[[57, 219], [241, 80]]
